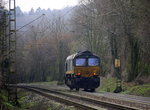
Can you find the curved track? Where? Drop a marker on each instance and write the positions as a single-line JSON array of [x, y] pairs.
[[78, 101], [60, 99]]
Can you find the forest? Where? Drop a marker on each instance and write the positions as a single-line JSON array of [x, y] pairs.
[[109, 28]]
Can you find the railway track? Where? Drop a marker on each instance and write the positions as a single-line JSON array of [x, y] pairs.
[[63, 100], [78, 101]]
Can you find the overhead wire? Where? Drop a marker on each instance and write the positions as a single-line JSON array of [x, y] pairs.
[[48, 27], [48, 21], [65, 13], [30, 22]]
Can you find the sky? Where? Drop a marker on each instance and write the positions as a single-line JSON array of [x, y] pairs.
[[26, 5]]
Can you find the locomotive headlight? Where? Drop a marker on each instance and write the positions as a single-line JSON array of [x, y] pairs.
[[78, 74], [94, 74]]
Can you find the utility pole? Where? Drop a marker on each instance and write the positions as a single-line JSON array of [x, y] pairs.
[[8, 43], [12, 74]]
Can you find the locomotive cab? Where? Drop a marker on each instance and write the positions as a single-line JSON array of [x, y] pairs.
[[82, 71]]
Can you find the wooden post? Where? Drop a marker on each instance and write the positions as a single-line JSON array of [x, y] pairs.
[[118, 73]]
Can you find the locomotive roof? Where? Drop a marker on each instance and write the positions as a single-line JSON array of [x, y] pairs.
[[71, 56], [83, 53]]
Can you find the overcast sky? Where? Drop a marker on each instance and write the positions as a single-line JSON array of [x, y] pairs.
[[26, 5]]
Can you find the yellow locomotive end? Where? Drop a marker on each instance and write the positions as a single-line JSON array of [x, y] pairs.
[[87, 71], [82, 71]]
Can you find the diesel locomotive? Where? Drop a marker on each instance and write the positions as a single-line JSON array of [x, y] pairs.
[[82, 71]]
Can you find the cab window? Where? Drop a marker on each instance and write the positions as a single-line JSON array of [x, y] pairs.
[[80, 62], [93, 62]]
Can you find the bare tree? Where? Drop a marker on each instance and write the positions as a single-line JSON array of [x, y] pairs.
[[110, 29]]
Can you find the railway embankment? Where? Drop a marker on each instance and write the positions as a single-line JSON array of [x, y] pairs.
[[131, 88]]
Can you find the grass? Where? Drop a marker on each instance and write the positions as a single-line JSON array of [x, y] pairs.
[[141, 90], [52, 83], [45, 83], [109, 85]]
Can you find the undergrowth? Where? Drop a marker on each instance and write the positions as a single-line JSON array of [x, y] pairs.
[[4, 104], [109, 85]]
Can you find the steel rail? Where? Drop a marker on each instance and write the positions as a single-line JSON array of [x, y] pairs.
[[128, 98], [86, 99], [60, 99]]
